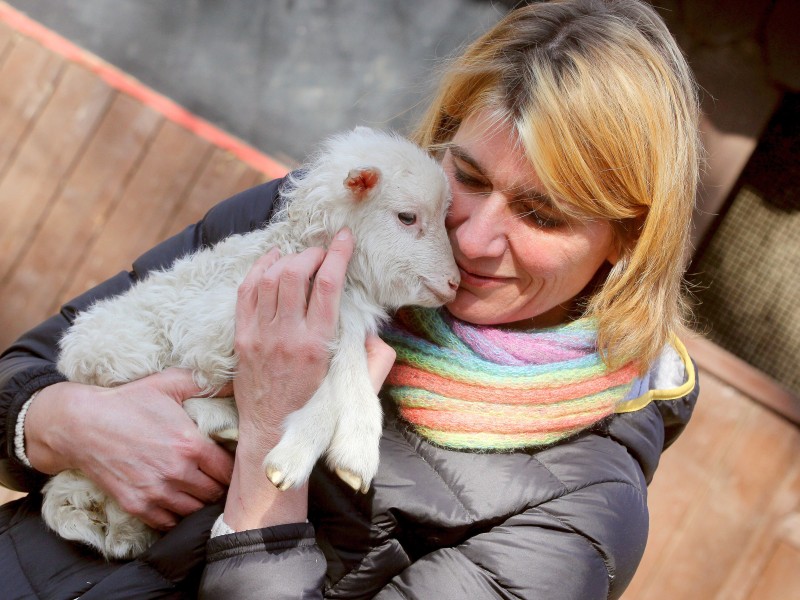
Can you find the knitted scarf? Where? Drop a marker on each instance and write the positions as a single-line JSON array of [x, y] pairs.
[[474, 387]]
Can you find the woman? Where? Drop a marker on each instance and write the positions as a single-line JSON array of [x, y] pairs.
[[522, 422]]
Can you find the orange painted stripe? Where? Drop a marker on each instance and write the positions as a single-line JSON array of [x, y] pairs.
[[126, 84]]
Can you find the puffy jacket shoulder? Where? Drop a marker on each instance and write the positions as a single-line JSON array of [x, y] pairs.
[[658, 409]]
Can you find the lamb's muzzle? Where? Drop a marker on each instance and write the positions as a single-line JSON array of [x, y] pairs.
[[442, 293]]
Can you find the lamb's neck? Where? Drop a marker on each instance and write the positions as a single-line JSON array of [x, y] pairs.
[[357, 300], [281, 235]]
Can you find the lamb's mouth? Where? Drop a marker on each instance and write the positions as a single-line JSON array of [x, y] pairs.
[[442, 297]]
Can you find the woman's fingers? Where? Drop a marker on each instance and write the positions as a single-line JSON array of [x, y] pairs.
[[213, 461], [323, 305], [200, 485], [290, 334], [281, 287], [171, 509], [380, 358], [252, 287], [295, 273], [216, 463], [177, 383], [158, 518]]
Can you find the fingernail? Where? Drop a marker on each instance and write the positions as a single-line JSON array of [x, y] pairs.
[[343, 234]]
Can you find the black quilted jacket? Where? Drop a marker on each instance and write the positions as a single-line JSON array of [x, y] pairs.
[[568, 521]]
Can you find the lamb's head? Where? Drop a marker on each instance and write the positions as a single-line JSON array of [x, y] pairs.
[[395, 198], [403, 256]]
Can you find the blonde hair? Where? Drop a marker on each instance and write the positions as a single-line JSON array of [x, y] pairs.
[[606, 110]]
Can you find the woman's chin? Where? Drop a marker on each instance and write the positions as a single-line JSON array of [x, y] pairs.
[[496, 310], [472, 309]]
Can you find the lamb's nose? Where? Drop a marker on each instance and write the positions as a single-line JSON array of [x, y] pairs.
[[453, 283]]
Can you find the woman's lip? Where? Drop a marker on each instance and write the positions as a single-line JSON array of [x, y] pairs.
[[476, 280]]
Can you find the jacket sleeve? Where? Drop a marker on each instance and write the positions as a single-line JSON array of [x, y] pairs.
[[281, 563], [29, 364]]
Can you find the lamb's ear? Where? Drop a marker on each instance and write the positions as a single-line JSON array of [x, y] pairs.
[[361, 181]]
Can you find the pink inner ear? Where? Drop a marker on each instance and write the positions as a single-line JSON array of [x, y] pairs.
[[361, 181]]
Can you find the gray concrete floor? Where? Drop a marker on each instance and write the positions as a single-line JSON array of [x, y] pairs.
[[280, 74]]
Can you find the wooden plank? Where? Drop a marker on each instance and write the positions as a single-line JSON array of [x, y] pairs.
[[7, 36], [790, 526], [28, 78], [46, 157], [718, 526], [263, 178], [745, 377], [9, 495], [222, 177], [77, 216], [155, 192], [781, 578], [778, 523], [684, 475]]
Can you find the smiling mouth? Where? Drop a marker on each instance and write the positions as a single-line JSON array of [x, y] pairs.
[[479, 280]]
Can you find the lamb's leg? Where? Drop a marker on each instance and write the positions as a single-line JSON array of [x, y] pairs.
[[216, 418], [78, 510], [307, 432], [354, 449], [127, 537]]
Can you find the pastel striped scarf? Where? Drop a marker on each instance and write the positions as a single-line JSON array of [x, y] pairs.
[[484, 388]]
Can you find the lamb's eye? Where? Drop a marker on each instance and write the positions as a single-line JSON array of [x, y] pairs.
[[407, 218]]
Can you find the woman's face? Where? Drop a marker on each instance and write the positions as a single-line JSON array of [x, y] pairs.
[[521, 262]]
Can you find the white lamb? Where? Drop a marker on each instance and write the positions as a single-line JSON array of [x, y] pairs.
[[394, 197]]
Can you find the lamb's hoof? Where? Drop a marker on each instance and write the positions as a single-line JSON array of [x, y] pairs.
[[353, 480], [226, 435], [277, 478], [121, 548], [227, 438]]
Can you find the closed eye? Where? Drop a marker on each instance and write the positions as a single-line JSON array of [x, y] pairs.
[[537, 214], [540, 220], [467, 180]]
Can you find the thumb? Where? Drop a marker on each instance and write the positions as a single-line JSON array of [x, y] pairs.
[[380, 358], [176, 383]]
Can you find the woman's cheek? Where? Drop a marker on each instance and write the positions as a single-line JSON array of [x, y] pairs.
[[539, 258], [458, 212]]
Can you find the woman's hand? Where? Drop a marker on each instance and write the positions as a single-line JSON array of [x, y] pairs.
[[380, 358], [135, 441], [287, 315], [284, 328]]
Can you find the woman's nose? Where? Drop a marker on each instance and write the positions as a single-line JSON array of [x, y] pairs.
[[484, 230]]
